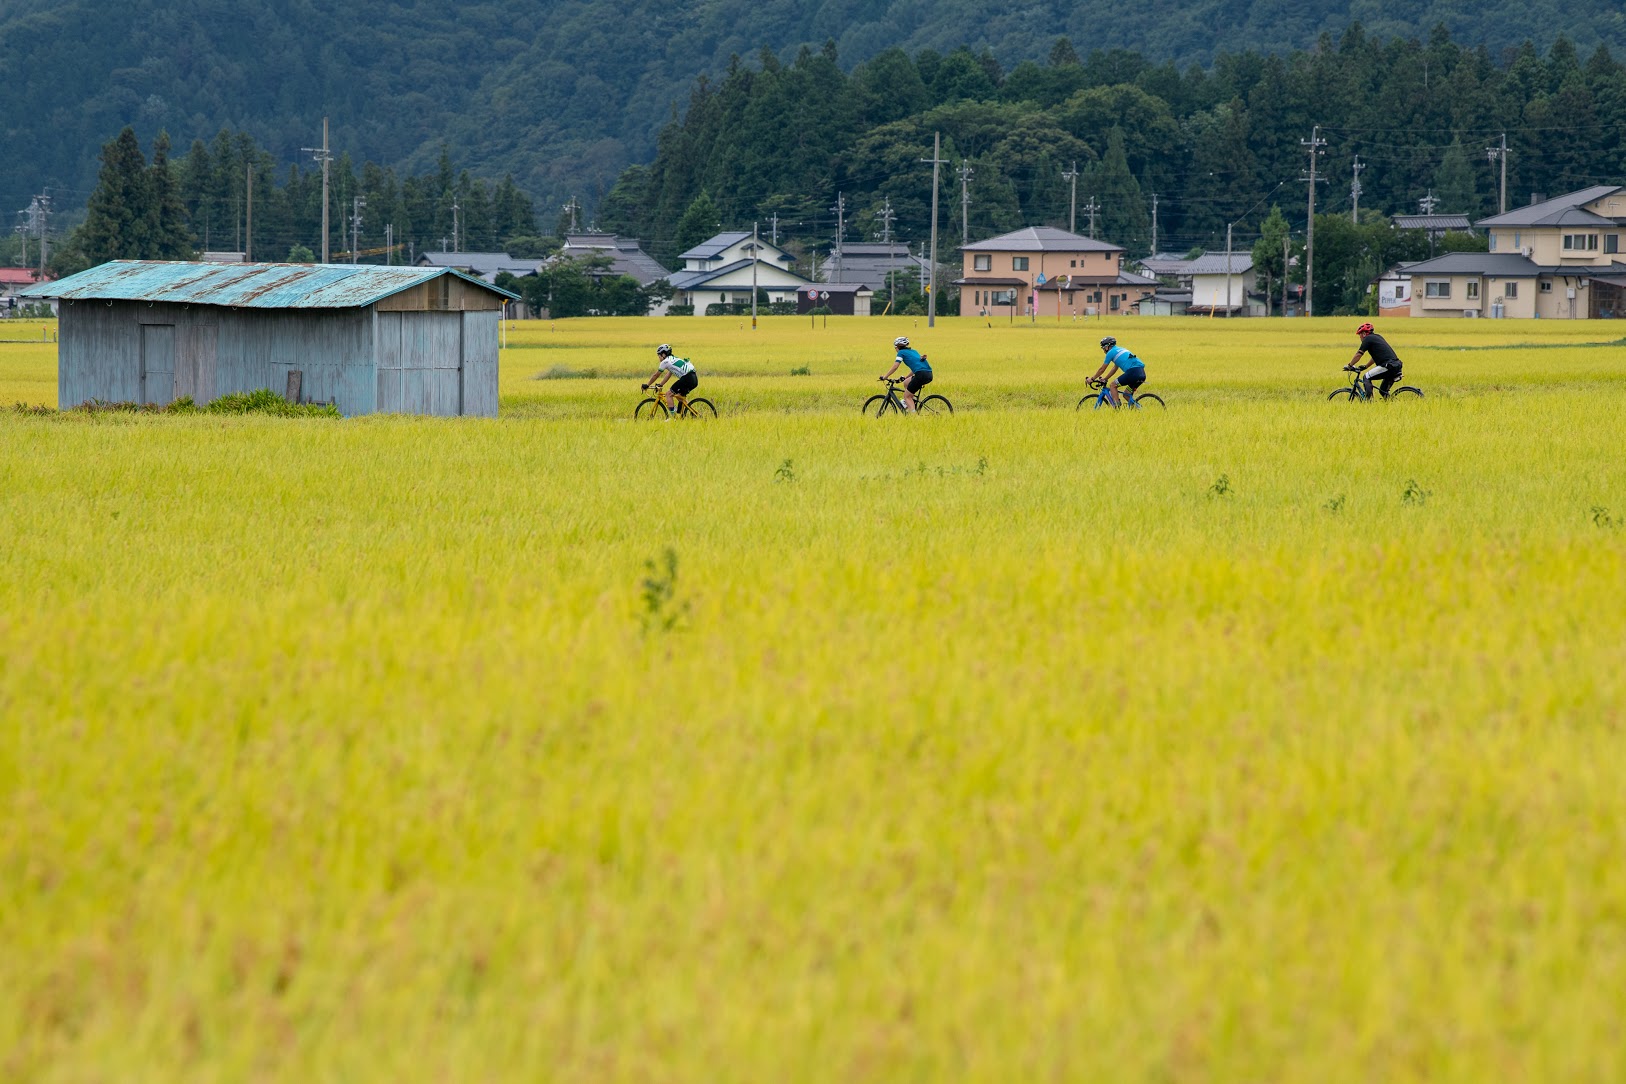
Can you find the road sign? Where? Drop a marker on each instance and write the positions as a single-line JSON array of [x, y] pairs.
[[824, 295], [1041, 278]]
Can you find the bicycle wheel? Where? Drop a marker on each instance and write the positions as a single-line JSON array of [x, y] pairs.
[[1149, 399], [649, 410], [934, 404], [875, 406], [1406, 390], [1346, 393], [701, 408]]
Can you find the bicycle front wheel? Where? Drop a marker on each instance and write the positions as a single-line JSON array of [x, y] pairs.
[[1149, 400], [701, 408], [1406, 390], [875, 406], [934, 404], [1342, 393], [649, 410]]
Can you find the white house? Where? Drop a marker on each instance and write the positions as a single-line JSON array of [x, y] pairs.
[[723, 270], [1223, 282]]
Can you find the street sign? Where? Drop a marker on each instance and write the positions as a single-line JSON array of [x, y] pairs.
[[1041, 278], [824, 295]]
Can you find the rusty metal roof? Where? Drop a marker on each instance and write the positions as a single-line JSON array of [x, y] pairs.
[[246, 285]]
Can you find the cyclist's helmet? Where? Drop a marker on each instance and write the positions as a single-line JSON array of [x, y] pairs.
[[664, 350], [1364, 330], [1108, 343], [901, 342]]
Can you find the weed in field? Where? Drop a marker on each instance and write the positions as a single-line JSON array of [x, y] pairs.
[[802, 370], [1221, 486], [785, 473], [37, 411], [662, 610], [1414, 493], [565, 372], [1601, 517], [1335, 505]]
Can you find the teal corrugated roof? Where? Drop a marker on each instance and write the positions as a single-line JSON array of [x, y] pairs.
[[246, 285]]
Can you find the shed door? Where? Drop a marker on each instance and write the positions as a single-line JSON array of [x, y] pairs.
[[195, 363], [157, 363]]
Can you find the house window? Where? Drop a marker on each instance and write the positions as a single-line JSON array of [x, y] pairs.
[[1068, 294], [1114, 302], [1545, 286], [982, 263], [1473, 289], [1072, 263], [1493, 241], [1005, 297], [1512, 290], [1436, 289], [1019, 263], [1611, 242], [1515, 240], [1580, 242]]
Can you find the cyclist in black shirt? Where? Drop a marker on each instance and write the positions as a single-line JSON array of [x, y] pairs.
[[1385, 365]]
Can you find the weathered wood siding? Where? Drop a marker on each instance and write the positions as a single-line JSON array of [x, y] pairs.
[[445, 294], [435, 362]]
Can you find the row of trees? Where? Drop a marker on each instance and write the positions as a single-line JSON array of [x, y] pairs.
[[168, 210]]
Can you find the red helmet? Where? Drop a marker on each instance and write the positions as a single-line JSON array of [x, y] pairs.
[[1364, 330]]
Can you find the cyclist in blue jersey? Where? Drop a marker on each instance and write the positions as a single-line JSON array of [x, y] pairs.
[[920, 373], [1130, 369], [670, 366]]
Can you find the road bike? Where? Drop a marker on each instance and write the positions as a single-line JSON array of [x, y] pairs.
[[652, 409], [1098, 398], [877, 405], [1357, 388]]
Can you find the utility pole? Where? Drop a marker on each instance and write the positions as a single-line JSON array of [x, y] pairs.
[[457, 244], [1355, 192], [1313, 145], [754, 260], [1499, 154], [1092, 207], [1287, 242], [355, 226], [1154, 223], [1428, 203], [248, 233], [775, 228], [574, 208], [1228, 270], [389, 243], [841, 229], [966, 173], [1071, 176], [322, 155], [931, 290], [42, 216], [887, 215]]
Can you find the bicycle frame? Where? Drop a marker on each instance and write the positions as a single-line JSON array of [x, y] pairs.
[[1102, 400]]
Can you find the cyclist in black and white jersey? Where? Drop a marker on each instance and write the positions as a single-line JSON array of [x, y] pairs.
[[670, 366]]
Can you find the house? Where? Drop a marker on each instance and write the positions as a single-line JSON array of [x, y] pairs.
[[1436, 226], [841, 298], [870, 262], [13, 280], [482, 265], [409, 340], [722, 271], [1223, 283], [626, 256], [1556, 259], [1394, 290], [1042, 270]]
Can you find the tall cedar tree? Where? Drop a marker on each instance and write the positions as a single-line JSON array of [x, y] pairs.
[[115, 226]]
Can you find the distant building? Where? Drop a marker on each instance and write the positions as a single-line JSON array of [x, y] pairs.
[[841, 298], [870, 262], [1394, 290], [626, 256], [13, 280], [1436, 226], [368, 338], [1223, 284], [1042, 270], [721, 271], [485, 266]]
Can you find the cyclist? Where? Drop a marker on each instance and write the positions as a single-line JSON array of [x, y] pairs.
[[1384, 362], [1130, 369], [671, 366], [920, 373]]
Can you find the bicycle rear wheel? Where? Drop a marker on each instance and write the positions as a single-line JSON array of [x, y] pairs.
[[701, 408], [875, 406], [649, 410], [934, 404], [1406, 390], [1342, 393], [1149, 400]]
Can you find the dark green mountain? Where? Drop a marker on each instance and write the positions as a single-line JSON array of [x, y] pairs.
[[564, 95]]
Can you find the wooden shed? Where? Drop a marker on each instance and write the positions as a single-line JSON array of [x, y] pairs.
[[406, 340]]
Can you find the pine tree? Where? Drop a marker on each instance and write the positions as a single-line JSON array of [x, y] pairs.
[[115, 220], [698, 223], [169, 236], [1456, 183], [1124, 219]]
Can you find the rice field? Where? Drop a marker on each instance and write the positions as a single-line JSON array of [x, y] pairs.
[[1263, 738]]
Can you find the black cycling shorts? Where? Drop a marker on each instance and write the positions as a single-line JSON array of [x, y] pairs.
[[918, 379], [686, 383], [1132, 379]]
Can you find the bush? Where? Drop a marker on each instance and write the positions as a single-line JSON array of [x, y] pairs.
[[263, 401], [680, 310]]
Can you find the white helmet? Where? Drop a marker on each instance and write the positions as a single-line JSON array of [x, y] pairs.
[[900, 342], [664, 350]]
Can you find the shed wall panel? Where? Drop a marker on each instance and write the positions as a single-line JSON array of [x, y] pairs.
[[480, 348]]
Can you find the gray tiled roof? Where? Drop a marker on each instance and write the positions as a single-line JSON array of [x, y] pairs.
[[1041, 239], [626, 257], [1213, 263], [484, 264], [1431, 222], [1506, 265], [1565, 210]]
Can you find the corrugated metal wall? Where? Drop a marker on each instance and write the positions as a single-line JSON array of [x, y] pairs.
[[442, 363]]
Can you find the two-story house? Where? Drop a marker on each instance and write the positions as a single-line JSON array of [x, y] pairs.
[[1557, 259], [721, 271], [1045, 271]]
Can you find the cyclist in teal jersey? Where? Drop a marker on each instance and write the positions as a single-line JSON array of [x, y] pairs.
[[672, 366], [920, 373], [1130, 369]]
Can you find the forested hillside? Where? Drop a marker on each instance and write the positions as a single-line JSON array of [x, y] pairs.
[[564, 95]]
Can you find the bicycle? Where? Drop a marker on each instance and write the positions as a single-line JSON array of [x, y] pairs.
[[1357, 389], [1127, 397], [877, 405], [653, 409]]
